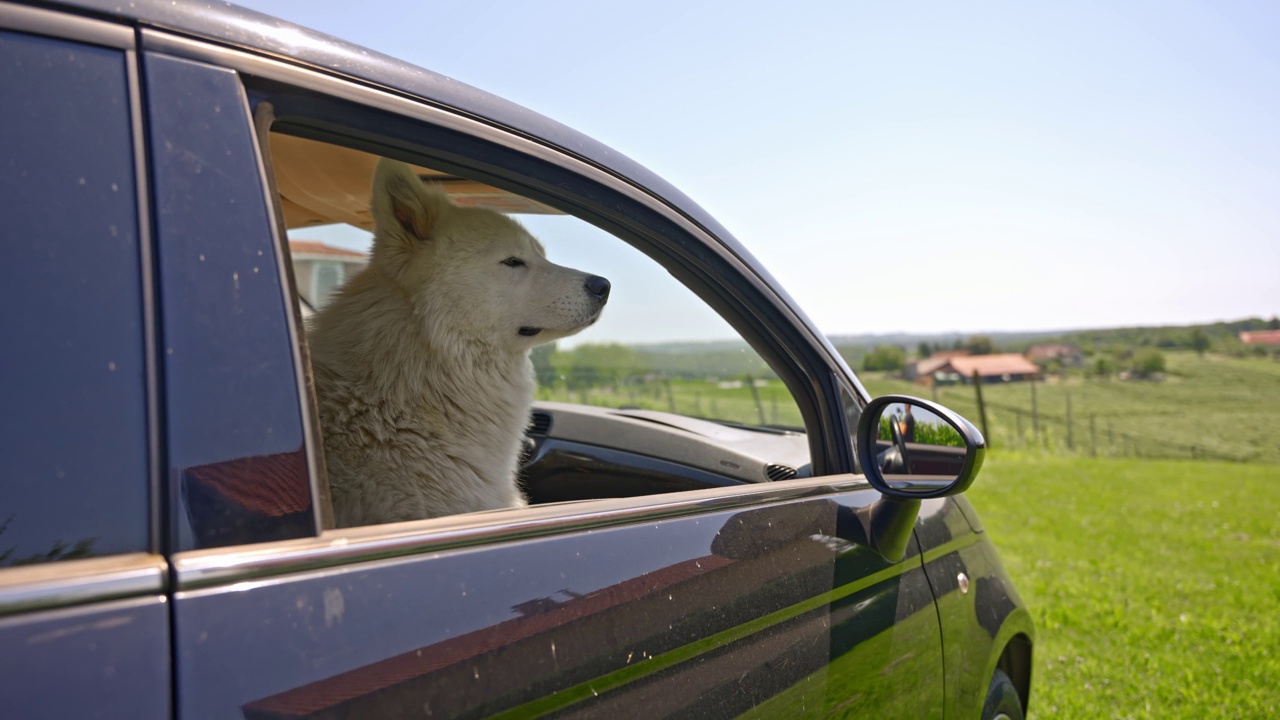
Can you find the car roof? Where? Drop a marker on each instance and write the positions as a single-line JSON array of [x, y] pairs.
[[243, 28]]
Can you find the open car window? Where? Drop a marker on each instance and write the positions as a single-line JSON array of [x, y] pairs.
[[659, 394]]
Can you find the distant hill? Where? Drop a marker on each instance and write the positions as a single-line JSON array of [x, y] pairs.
[[1223, 336], [733, 358]]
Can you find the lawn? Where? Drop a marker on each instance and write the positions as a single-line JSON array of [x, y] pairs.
[[1155, 584]]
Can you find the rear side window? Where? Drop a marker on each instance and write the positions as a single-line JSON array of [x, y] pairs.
[[73, 478]]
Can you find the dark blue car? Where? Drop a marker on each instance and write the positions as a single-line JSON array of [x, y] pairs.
[[715, 529]]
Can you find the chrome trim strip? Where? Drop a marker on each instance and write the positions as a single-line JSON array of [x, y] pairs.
[[150, 312], [66, 26], [75, 582], [204, 568], [321, 510]]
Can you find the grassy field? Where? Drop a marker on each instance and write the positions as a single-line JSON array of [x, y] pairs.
[[732, 401], [1155, 585], [1215, 407]]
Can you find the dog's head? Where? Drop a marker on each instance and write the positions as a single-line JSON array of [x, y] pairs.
[[471, 273]]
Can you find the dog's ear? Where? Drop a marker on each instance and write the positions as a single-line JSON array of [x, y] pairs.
[[401, 201]]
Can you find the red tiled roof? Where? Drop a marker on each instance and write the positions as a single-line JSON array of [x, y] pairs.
[[993, 365], [1260, 337], [312, 247]]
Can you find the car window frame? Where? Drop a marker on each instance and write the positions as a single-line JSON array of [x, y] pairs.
[[754, 307], [118, 576]]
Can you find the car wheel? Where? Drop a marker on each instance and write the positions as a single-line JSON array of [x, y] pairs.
[[1002, 702]]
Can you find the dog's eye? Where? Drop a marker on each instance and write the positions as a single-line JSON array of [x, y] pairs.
[[513, 262]]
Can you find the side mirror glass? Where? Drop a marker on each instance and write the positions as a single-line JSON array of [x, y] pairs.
[[914, 448]]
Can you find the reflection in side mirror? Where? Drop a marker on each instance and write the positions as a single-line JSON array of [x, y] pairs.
[[914, 448]]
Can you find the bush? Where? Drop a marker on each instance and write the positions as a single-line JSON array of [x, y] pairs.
[[1148, 362], [885, 357]]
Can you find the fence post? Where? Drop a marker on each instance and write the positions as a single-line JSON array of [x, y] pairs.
[[755, 395], [671, 398], [1093, 436], [1017, 418], [1071, 428], [982, 408], [1035, 413]]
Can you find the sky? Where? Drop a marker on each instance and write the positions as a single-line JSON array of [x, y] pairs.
[[919, 167]]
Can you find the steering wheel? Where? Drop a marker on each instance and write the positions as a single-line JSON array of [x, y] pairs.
[[900, 443]]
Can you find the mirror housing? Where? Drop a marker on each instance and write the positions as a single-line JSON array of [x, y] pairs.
[[902, 466]]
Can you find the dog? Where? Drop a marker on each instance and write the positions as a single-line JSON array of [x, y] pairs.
[[421, 362]]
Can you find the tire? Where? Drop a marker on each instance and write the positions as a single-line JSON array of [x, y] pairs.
[[1002, 702]]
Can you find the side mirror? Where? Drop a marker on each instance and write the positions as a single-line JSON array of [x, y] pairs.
[[916, 449]]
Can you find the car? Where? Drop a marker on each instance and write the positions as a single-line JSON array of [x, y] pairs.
[[715, 529]]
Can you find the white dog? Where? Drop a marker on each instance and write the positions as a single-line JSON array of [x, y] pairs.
[[422, 361]]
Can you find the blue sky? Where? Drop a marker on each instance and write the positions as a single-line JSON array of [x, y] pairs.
[[918, 166]]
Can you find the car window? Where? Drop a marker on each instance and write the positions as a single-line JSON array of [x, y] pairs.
[[236, 452], [73, 433], [658, 393]]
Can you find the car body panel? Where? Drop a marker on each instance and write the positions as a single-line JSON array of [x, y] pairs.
[[706, 615], [106, 660]]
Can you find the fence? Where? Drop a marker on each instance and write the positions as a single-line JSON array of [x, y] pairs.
[[1077, 432]]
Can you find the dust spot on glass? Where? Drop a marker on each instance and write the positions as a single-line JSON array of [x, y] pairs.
[[201, 257], [111, 367], [335, 607], [81, 181]]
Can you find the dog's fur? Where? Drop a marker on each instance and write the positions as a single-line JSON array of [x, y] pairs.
[[422, 361]]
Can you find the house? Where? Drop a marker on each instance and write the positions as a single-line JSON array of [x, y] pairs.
[[1260, 337], [319, 269], [1004, 367], [926, 367], [1045, 353]]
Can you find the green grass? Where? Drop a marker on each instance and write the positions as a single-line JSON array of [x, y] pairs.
[[1216, 407], [697, 398], [1155, 584]]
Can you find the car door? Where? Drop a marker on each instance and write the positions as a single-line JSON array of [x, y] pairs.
[[84, 618], [746, 597]]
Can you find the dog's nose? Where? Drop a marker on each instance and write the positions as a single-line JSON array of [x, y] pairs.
[[598, 287]]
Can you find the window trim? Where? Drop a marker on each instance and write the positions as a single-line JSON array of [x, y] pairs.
[[78, 582], [217, 567], [62, 25]]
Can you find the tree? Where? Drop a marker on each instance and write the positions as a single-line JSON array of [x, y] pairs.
[[1148, 362], [543, 370], [1199, 341], [885, 357], [980, 345], [1102, 367], [924, 349]]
